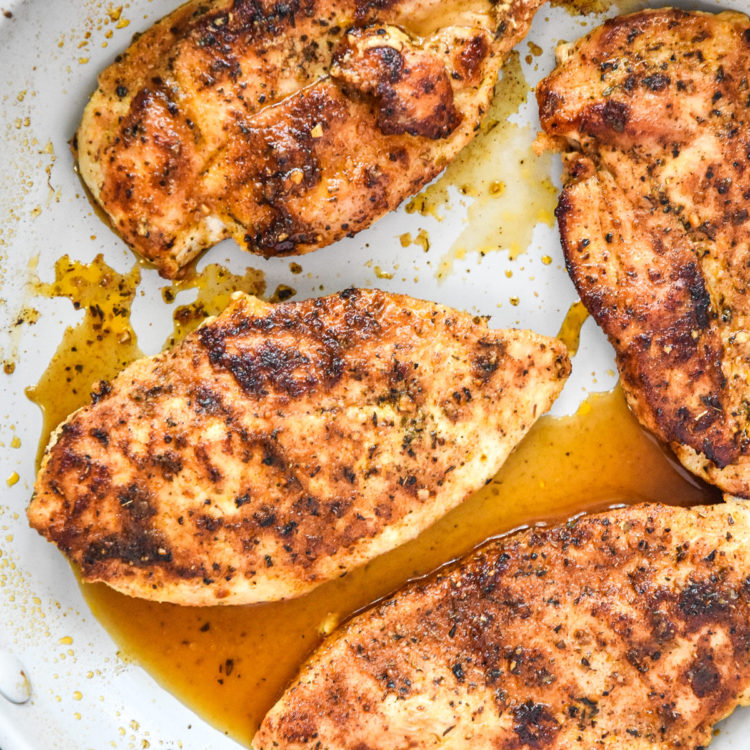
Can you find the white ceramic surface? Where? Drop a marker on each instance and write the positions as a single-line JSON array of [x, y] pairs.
[[84, 697]]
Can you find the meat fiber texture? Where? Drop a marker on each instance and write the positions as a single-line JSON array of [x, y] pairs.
[[629, 629], [279, 446], [286, 125], [651, 112]]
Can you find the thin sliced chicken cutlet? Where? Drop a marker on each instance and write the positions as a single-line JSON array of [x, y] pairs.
[[652, 111], [279, 446], [629, 629], [286, 125]]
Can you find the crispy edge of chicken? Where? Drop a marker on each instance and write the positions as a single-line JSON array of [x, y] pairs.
[[286, 125], [650, 112], [626, 629], [279, 446]]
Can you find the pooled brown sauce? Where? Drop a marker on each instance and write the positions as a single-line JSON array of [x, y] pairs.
[[230, 664], [95, 349]]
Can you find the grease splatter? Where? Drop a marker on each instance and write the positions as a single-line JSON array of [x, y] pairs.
[[570, 330], [504, 183], [97, 348], [215, 285]]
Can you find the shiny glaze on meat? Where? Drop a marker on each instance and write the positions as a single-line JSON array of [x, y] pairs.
[[652, 111], [286, 125], [629, 629], [279, 446]]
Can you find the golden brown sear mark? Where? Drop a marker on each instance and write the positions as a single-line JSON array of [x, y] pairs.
[[279, 446], [625, 629], [651, 113], [286, 125]]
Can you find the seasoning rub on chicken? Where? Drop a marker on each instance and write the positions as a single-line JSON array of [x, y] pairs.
[[279, 446], [652, 112], [629, 629], [286, 124]]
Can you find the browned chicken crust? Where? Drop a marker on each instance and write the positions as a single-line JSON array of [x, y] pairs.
[[279, 446], [629, 629], [653, 111], [286, 124]]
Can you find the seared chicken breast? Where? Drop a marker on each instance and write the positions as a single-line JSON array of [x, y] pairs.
[[629, 629], [286, 125], [651, 111], [279, 446]]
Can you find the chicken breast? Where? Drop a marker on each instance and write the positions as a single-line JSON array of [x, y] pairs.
[[279, 446], [651, 110], [629, 629], [286, 125]]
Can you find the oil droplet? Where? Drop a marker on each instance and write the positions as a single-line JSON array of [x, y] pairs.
[[95, 349], [570, 330], [77, 695], [424, 204], [215, 285], [15, 442], [501, 155], [564, 466], [12, 479], [535, 49], [422, 239], [282, 293], [65, 641]]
